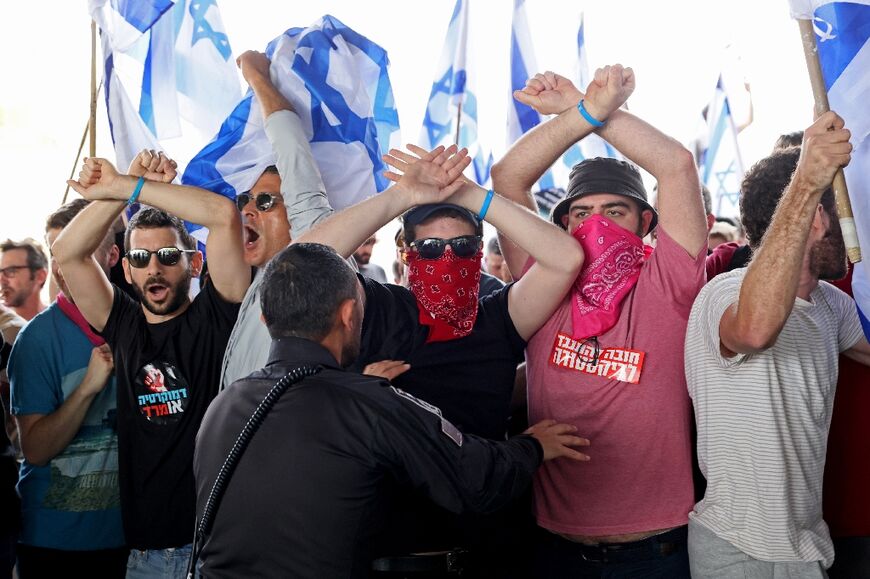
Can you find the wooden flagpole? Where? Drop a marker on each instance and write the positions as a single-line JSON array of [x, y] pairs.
[[91, 126], [820, 94], [93, 123]]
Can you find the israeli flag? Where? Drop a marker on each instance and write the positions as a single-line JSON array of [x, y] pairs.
[[338, 83], [169, 76], [451, 114], [521, 117], [842, 32], [719, 160]]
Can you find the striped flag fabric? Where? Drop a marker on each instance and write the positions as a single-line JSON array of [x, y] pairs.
[[842, 32], [337, 81], [451, 113]]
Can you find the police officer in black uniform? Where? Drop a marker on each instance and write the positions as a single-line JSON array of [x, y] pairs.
[[308, 496]]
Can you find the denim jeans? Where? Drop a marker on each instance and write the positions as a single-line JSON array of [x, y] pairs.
[[661, 556], [158, 563]]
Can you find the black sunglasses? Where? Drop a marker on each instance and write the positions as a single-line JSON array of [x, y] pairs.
[[139, 258], [263, 201], [433, 247]]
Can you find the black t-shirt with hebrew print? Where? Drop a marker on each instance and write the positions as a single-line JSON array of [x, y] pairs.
[[167, 375]]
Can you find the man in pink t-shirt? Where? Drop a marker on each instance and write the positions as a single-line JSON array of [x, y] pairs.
[[610, 360]]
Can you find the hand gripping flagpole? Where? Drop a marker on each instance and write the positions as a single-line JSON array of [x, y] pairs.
[[820, 94]]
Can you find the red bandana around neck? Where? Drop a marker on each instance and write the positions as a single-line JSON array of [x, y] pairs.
[[613, 259], [446, 290], [73, 313]]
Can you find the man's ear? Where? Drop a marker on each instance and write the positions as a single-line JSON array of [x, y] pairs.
[[821, 222], [711, 221], [565, 221], [403, 255], [646, 217], [196, 264], [345, 314], [114, 255], [41, 276]]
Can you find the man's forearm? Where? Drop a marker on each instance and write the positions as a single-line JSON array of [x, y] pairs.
[[771, 283], [535, 152], [551, 247], [346, 230], [81, 238], [268, 95], [44, 437], [301, 185]]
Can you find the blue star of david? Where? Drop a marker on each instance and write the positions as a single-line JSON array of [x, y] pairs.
[[352, 127], [202, 30]]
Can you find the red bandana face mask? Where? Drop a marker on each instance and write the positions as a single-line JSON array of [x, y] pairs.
[[446, 290], [613, 259]]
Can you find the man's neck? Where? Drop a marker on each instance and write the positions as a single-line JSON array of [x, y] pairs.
[[31, 307], [153, 318], [808, 281]]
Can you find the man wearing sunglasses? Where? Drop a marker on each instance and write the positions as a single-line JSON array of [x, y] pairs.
[[267, 221], [167, 349], [462, 351], [610, 360]]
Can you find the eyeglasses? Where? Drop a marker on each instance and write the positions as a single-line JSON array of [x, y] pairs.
[[263, 201], [433, 247], [139, 258], [11, 271]]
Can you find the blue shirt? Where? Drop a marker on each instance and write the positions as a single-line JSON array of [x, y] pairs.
[[73, 502]]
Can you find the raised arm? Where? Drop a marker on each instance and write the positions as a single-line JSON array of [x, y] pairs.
[[301, 185], [558, 256], [430, 181], [227, 268], [526, 161], [74, 251], [771, 284], [680, 207]]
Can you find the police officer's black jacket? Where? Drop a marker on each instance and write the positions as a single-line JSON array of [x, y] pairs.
[[308, 496]]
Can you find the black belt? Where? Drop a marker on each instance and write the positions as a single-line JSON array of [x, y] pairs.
[[661, 545]]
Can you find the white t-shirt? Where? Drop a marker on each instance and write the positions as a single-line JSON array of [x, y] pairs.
[[763, 422]]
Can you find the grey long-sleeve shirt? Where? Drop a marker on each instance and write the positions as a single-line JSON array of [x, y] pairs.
[[306, 203]]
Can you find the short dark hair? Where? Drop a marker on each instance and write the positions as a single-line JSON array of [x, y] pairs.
[[492, 246], [153, 218], [787, 140], [303, 286], [271, 170], [708, 199], [36, 258], [409, 231], [762, 188], [65, 213]]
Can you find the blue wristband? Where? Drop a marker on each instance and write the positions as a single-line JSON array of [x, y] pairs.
[[589, 118], [136, 191], [485, 207]]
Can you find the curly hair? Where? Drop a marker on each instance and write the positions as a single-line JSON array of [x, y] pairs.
[[762, 188]]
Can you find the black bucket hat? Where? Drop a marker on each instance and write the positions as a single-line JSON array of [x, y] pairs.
[[604, 175]]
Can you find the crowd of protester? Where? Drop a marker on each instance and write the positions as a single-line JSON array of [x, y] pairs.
[[633, 387]]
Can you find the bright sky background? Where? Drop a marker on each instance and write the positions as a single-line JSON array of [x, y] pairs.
[[674, 47]]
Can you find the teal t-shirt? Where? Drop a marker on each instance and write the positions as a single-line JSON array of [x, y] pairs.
[[72, 503]]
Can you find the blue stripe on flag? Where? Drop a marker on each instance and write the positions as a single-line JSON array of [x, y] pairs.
[[141, 14], [850, 29], [202, 171], [146, 104]]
